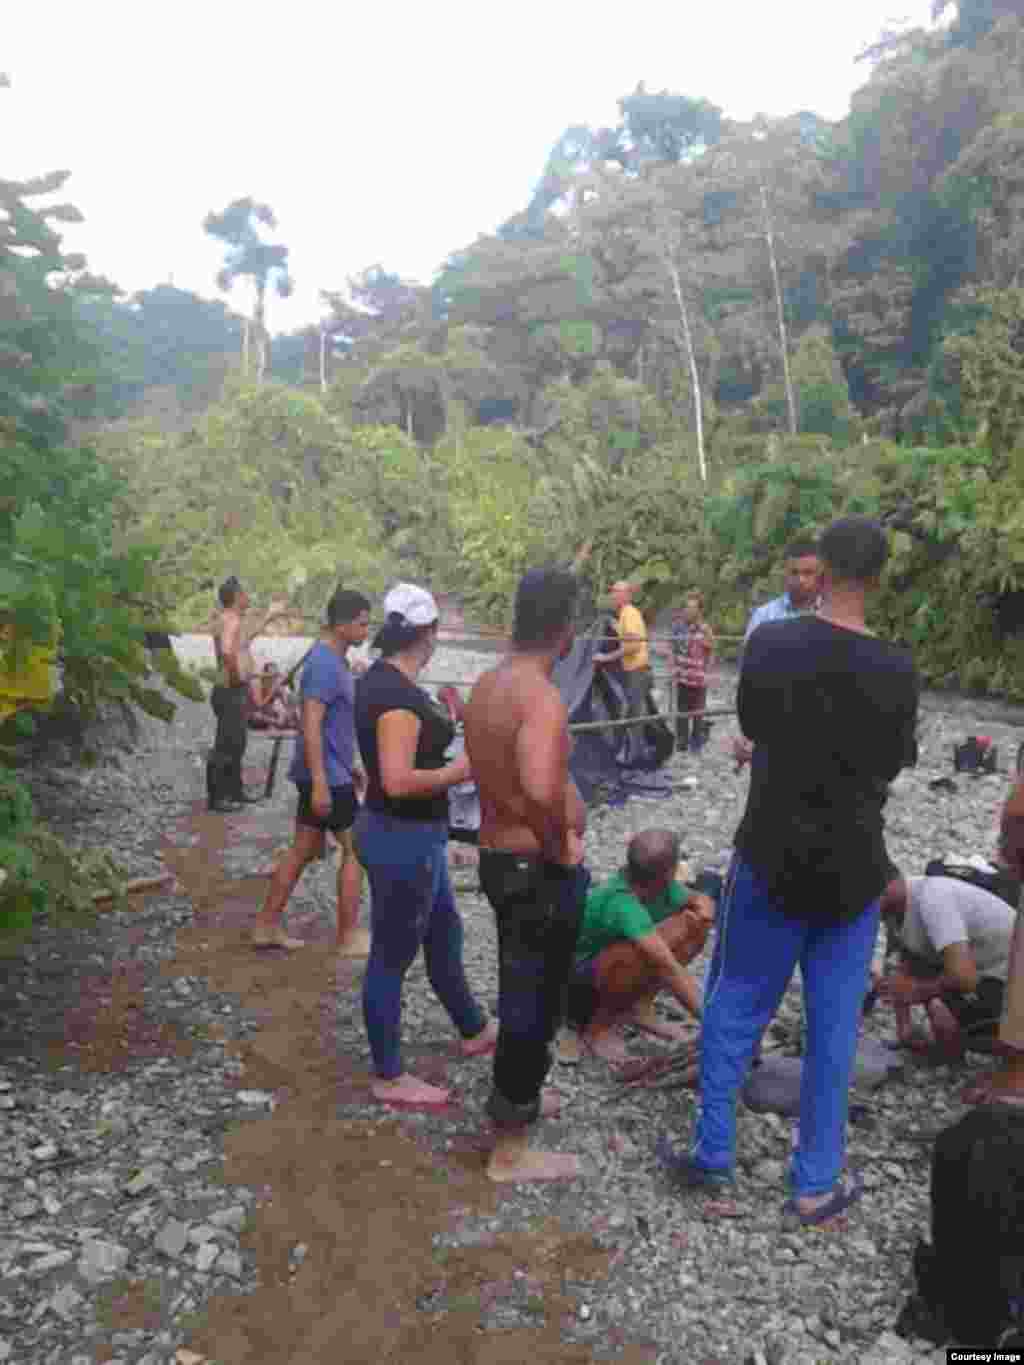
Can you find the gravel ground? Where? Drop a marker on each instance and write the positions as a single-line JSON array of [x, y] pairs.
[[110, 1158]]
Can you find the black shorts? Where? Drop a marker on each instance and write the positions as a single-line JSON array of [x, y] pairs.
[[342, 813]]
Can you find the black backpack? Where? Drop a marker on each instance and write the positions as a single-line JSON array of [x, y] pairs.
[[970, 1279]]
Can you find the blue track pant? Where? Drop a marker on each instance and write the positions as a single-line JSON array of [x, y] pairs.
[[757, 948]]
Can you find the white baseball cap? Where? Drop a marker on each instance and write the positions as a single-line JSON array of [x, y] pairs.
[[415, 605]]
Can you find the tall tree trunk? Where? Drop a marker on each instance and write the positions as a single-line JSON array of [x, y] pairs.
[[261, 330], [698, 413], [245, 347], [323, 359], [769, 237]]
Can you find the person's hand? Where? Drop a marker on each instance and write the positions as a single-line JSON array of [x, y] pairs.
[[742, 751], [572, 850], [320, 801], [897, 989], [460, 769], [702, 906]]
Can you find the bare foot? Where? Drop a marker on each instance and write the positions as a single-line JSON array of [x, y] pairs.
[[484, 1042], [610, 1046], [534, 1165], [407, 1089], [276, 939], [355, 944]]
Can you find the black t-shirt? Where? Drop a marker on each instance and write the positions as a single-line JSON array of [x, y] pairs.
[[832, 714], [384, 688]]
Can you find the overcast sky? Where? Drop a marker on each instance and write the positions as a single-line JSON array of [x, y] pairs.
[[392, 131]]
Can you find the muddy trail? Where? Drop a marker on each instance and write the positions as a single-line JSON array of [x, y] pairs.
[[371, 1203]]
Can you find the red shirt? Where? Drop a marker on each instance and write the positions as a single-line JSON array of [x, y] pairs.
[[693, 667]]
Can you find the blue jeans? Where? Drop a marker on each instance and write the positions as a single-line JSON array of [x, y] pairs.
[[411, 905], [757, 947]]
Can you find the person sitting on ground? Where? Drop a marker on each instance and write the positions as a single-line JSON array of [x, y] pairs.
[[640, 930], [327, 777], [271, 701], [955, 948], [402, 838]]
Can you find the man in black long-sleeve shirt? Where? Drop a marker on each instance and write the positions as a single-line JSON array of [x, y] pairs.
[[832, 713]]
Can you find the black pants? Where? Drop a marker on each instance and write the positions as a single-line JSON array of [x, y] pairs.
[[538, 909], [224, 766], [691, 730]]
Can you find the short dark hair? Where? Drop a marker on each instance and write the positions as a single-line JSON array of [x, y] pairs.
[[855, 549], [228, 591], [650, 855], [345, 606], [397, 634], [544, 606], [802, 548]]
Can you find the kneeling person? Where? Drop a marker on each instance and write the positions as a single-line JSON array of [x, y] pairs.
[[640, 929], [955, 941]]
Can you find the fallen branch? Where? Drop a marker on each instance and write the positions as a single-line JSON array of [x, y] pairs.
[[133, 888]]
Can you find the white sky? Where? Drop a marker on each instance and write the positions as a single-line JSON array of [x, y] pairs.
[[392, 131]]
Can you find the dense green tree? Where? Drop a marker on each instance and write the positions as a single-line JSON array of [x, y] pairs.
[[162, 338], [991, 362]]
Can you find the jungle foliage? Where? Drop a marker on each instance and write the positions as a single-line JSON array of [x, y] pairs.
[[68, 579]]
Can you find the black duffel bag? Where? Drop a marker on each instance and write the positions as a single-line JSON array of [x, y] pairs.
[[970, 1278]]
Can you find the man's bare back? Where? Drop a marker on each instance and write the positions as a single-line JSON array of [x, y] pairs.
[[513, 709]]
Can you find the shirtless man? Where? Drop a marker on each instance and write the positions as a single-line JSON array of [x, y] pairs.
[[229, 699], [531, 863]]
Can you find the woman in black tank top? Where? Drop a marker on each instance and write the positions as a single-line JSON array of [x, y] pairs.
[[402, 838]]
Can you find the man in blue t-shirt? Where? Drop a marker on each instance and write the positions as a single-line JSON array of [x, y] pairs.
[[327, 777], [802, 596]]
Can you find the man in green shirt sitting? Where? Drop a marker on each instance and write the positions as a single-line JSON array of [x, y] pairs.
[[640, 929]]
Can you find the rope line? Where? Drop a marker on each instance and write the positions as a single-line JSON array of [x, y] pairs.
[[582, 726], [489, 633]]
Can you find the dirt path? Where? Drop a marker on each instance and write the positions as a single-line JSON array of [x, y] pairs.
[[367, 1199]]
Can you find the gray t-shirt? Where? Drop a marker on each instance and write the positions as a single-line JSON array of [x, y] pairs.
[[945, 910]]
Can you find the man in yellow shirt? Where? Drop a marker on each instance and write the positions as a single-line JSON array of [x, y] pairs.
[[631, 654]]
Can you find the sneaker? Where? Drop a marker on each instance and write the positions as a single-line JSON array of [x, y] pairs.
[[686, 1171]]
